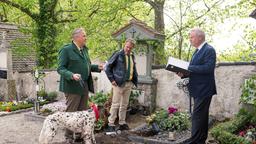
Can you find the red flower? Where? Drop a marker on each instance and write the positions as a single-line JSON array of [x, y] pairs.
[[172, 110]]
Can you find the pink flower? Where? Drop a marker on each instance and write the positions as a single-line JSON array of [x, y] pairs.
[[242, 133], [172, 110]]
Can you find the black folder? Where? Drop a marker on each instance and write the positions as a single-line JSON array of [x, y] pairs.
[[177, 65], [3, 74]]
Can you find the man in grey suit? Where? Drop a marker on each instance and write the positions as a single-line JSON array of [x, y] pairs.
[[201, 85]]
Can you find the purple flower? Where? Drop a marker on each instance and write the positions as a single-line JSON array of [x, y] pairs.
[[172, 110]]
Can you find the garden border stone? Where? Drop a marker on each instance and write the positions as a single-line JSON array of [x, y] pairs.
[[16, 112]]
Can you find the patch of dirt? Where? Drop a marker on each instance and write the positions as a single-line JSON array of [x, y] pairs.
[[122, 138], [132, 120]]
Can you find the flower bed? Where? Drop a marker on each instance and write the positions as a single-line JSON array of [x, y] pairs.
[[240, 130], [171, 120], [14, 105]]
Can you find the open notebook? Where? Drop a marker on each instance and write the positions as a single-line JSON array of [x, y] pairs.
[[177, 65]]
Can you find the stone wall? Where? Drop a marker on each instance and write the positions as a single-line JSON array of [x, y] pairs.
[[225, 104]]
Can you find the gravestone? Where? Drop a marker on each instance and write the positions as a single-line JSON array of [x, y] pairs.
[[145, 37], [6, 65]]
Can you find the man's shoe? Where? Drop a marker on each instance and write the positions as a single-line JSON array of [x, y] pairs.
[[124, 127], [78, 138], [110, 129], [69, 140]]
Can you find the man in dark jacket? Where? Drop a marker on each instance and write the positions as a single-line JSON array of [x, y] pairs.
[[201, 85], [122, 73], [75, 66]]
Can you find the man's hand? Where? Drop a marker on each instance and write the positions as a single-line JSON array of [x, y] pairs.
[[180, 74], [114, 83], [101, 66], [76, 77]]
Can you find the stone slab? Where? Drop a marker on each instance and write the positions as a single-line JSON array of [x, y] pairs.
[[32, 116]]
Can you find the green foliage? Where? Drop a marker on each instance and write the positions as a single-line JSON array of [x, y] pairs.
[[249, 91], [100, 20], [227, 132], [42, 93], [177, 121], [50, 23], [51, 96], [99, 124], [99, 98]]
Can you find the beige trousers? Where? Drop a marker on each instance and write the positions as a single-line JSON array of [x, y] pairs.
[[120, 101]]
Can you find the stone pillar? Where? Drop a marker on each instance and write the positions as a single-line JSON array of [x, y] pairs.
[[148, 95]]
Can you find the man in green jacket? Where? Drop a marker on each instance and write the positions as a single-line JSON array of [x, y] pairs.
[[75, 66]]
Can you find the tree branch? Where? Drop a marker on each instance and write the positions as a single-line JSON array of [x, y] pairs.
[[21, 8], [94, 11], [152, 3], [197, 18]]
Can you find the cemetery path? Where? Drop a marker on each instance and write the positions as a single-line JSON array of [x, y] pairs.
[[15, 129]]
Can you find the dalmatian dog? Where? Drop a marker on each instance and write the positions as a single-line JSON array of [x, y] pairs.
[[79, 122]]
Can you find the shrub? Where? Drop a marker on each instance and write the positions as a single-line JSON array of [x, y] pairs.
[[249, 91], [42, 93], [99, 98], [176, 121], [229, 131], [51, 96]]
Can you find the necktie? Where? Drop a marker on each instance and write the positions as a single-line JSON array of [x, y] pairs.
[[193, 56]]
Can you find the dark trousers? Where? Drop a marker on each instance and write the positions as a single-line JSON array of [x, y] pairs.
[[74, 103], [200, 118]]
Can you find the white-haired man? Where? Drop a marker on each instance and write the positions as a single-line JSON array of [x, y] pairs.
[[74, 66], [201, 84]]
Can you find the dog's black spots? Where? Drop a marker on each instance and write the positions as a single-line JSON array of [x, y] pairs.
[[76, 121], [53, 120]]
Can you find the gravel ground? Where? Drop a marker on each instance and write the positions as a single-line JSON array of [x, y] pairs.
[[15, 129]]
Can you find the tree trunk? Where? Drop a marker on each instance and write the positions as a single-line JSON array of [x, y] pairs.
[[158, 6]]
